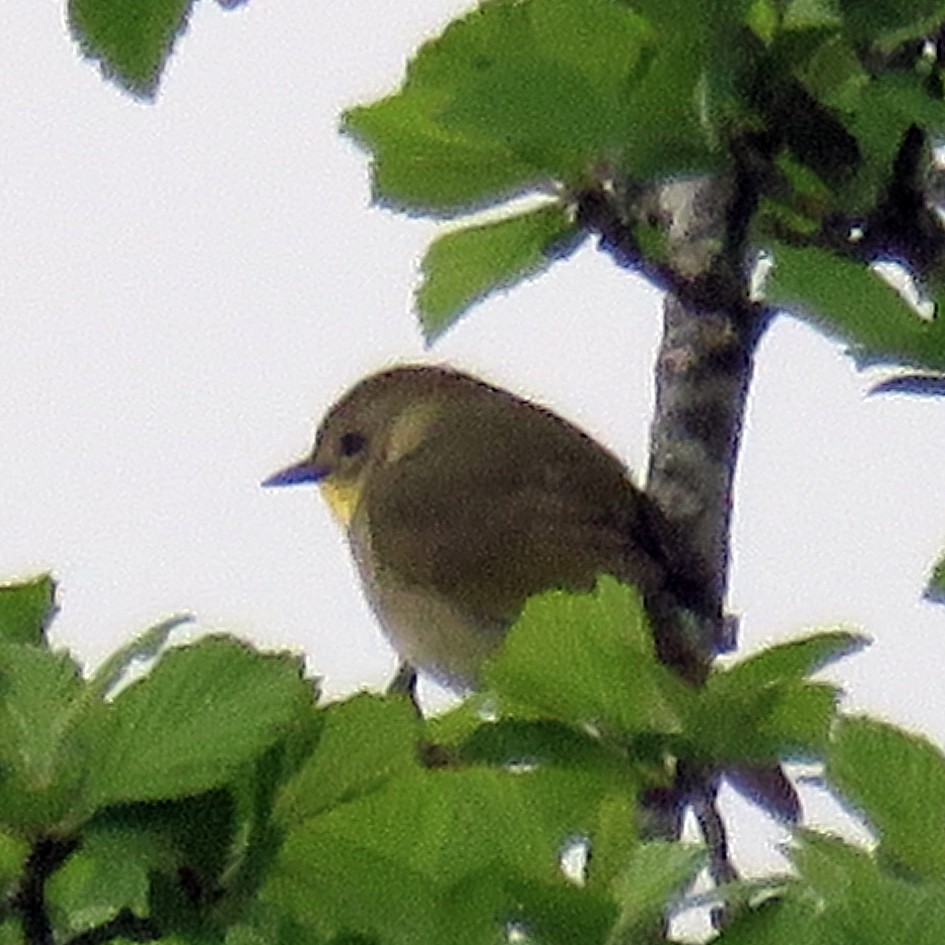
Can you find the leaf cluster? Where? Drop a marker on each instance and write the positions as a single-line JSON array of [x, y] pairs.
[[213, 799], [823, 111]]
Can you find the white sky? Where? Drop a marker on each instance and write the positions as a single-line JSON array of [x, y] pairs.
[[187, 285]]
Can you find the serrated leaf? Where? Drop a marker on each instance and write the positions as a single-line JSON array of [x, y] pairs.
[[856, 901], [420, 165], [109, 872], [579, 780], [364, 742], [763, 707], [463, 267], [396, 864], [898, 781], [202, 712], [759, 725], [26, 609], [848, 300], [654, 875], [547, 76], [414, 820], [830, 865], [586, 659], [793, 659], [514, 95], [131, 40], [42, 756]]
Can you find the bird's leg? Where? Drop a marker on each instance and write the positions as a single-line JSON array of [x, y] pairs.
[[405, 683]]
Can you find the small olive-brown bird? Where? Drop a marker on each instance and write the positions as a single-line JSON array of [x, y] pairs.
[[461, 500]]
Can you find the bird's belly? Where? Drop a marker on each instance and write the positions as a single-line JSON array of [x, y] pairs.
[[425, 628], [434, 636]]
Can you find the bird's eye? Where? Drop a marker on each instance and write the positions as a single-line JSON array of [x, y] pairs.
[[351, 444]]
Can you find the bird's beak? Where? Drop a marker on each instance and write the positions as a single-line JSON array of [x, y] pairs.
[[304, 471]]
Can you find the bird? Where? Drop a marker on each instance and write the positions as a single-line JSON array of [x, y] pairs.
[[460, 500]]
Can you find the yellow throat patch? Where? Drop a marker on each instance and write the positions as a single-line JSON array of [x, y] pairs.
[[342, 498]]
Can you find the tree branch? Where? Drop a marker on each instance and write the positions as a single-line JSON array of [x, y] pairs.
[[46, 856], [703, 372], [711, 330]]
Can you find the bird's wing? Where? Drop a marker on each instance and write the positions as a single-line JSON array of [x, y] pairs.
[[542, 515]]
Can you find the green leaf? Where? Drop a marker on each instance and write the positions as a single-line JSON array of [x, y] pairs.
[[184, 847], [580, 780], [517, 94], [464, 266], [261, 924], [334, 891], [109, 872], [792, 660], [416, 820], [132, 40], [429, 857], [420, 165], [146, 646], [655, 875], [849, 300], [763, 708], [557, 913], [42, 756], [673, 114], [788, 920], [11, 932], [203, 711], [603, 41], [885, 25], [811, 14], [935, 589], [13, 853], [547, 76], [549, 113], [880, 111], [834, 75], [830, 866], [856, 901], [586, 659], [26, 610], [756, 726], [364, 742], [457, 724], [898, 781]]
